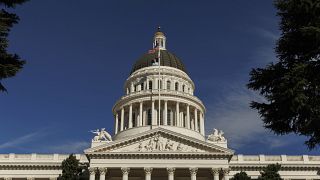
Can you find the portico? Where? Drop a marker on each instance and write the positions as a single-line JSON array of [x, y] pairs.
[[150, 173]]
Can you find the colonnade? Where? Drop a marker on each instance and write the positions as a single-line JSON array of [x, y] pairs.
[[215, 173], [190, 117]]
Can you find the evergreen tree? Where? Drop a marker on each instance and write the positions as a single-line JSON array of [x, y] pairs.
[[241, 176], [10, 64], [70, 168], [291, 86], [270, 172]]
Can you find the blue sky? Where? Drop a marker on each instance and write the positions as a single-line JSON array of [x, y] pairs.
[[79, 53]]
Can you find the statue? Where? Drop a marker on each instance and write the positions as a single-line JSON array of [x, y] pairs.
[[168, 146], [216, 136], [101, 135], [179, 147]]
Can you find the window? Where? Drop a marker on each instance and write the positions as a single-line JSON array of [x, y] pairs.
[[149, 119], [176, 86], [168, 85], [183, 87], [135, 88], [159, 84], [150, 84], [142, 87]]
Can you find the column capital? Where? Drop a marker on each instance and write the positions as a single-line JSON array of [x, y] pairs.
[[125, 170], [193, 170], [92, 170], [225, 171], [102, 170], [215, 171], [148, 170], [171, 170]]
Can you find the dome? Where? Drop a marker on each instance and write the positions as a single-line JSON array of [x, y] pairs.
[[166, 59]]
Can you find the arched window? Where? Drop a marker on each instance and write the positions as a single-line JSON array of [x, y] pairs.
[[169, 120], [134, 119], [176, 86], [149, 119], [168, 85], [150, 84], [135, 88], [141, 86]]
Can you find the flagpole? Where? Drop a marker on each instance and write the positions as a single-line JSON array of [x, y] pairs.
[[159, 85]]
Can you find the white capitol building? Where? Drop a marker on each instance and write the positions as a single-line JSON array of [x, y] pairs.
[[158, 135]]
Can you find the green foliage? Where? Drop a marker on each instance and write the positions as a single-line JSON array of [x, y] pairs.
[[70, 168], [270, 172], [291, 86], [10, 64], [241, 176]]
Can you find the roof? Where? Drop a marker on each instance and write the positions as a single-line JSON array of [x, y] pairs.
[[166, 59]]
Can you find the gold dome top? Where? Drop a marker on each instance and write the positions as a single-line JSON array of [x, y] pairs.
[[159, 33]]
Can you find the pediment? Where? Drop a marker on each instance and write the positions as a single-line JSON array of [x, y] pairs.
[[159, 141]]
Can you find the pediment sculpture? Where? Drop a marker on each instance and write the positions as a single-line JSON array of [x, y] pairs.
[[101, 135], [216, 136], [159, 143]]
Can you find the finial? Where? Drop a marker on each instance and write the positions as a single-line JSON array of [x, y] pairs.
[[159, 29]]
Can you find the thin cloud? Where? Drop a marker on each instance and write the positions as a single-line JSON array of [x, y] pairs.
[[233, 115], [269, 35], [22, 140]]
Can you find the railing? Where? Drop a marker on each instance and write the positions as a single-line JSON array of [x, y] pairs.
[[39, 157], [275, 158]]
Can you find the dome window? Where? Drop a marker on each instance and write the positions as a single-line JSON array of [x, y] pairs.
[[168, 85], [176, 86], [150, 85]]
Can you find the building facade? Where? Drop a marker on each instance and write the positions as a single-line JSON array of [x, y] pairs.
[[159, 134]]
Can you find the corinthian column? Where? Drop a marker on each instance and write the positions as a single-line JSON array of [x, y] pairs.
[[193, 173], [196, 119], [140, 114], [148, 172], [215, 173], [125, 173], [171, 173], [92, 172], [226, 174], [102, 172], [177, 114], [188, 116], [122, 119], [130, 116], [165, 114], [116, 124]]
